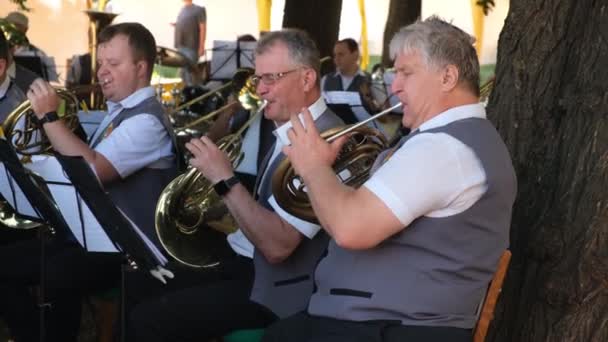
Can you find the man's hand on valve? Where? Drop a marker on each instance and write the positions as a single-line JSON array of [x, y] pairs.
[[308, 151], [209, 160]]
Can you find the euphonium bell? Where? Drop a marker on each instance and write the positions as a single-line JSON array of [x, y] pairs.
[[189, 202], [352, 166]]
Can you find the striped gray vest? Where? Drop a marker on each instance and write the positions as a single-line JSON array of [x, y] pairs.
[[137, 194], [285, 288], [435, 271]]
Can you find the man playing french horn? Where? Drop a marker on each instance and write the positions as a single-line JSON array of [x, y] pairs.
[[133, 157], [415, 247], [284, 249]]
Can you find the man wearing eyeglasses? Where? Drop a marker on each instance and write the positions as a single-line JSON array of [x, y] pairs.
[[270, 274]]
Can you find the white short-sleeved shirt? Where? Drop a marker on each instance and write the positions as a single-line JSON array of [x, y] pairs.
[[237, 240], [432, 174], [137, 142]]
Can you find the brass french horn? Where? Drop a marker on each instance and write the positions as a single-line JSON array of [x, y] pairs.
[[22, 132], [21, 127], [352, 166], [187, 204]]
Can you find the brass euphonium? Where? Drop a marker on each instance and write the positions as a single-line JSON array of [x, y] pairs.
[[188, 203], [352, 166]]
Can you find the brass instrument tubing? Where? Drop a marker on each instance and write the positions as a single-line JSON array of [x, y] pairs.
[[361, 123]]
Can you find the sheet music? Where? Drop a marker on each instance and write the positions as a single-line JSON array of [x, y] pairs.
[[14, 195], [224, 58], [76, 213], [353, 99], [350, 98]]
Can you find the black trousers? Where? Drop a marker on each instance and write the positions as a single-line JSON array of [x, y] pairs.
[[71, 273], [216, 305], [303, 327]]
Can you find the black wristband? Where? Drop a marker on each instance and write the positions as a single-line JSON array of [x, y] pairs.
[[223, 187], [48, 117]]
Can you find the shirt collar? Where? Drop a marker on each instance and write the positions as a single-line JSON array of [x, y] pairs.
[[4, 86], [132, 100], [12, 70], [476, 110], [316, 109]]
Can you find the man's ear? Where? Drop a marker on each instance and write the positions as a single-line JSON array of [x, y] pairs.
[[449, 77], [309, 79], [142, 68]]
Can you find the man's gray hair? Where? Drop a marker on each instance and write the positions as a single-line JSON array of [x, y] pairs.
[[440, 43], [302, 49]]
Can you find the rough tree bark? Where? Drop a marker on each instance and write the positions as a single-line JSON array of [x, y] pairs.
[[550, 103], [320, 18], [400, 13]]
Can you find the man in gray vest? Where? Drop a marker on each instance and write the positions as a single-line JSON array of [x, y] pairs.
[[278, 281], [10, 95], [348, 76], [414, 249], [132, 155]]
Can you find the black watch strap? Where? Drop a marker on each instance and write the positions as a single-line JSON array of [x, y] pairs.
[[48, 117], [223, 187]]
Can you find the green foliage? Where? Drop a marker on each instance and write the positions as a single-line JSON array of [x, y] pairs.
[[487, 5], [21, 4]]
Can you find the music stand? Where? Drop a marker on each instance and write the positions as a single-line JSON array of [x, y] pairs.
[[34, 64], [117, 226], [228, 57], [46, 211], [344, 112]]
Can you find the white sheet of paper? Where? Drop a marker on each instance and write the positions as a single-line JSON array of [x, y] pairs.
[[351, 98], [71, 206], [18, 202]]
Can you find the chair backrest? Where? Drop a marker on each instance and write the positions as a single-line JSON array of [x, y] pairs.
[[489, 303]]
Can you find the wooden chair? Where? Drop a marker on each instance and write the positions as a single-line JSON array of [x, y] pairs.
[[489, 303]]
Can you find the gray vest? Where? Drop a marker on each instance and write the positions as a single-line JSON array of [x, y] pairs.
[[285, 288], [334, 82], [435, 271], [137, 194], [11, 100]]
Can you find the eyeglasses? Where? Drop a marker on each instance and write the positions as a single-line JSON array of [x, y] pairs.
[[270, 78]]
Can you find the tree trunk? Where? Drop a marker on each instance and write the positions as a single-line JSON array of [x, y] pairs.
[[550, 103], [320, 18], [400, 13]]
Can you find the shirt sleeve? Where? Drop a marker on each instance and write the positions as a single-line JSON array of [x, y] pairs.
[[307, 229], [202, 18], [430, 175], [136, 143]]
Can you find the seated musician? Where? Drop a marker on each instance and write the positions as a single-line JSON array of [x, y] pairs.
[[413, 250], [10, 95], [348, 75], [132, 155], [269, 275]]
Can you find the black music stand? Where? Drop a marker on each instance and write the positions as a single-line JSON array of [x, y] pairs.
[[344, 112], [36, 192], [118, 228], [231, 56], [34, 64]]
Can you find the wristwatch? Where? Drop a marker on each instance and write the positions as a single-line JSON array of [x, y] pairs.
[[223, 187], [48, 117]]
